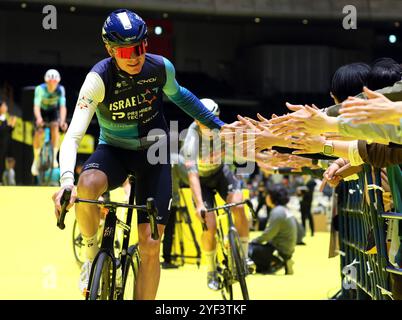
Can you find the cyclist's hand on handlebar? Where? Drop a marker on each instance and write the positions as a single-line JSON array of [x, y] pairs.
[[198, 211], [57, 196], [63, 126], [39, 122]]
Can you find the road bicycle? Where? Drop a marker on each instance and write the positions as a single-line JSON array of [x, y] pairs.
[[77, 240], [103, 283], [231, 260], [46, 158]]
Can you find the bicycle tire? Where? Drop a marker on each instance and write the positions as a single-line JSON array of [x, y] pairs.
[[45, 164], [102, 284], [130, 276], [238, 261], [227, 289], [77, 245], [80, 257]]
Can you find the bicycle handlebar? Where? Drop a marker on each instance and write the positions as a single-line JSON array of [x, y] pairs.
[[227, 206], [65, 199], [150, 208]]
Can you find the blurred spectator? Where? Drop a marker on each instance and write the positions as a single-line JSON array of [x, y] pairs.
[[306, 193], [8, 177], [6, 126], [349, 80], [279, 236], [384, 73], [261, 195]]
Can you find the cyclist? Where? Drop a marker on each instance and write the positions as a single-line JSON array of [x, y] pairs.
[[207, 172], [125, 90], [49, 99]]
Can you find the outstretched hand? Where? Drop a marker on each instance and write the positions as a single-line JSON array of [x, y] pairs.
[[376, 109]]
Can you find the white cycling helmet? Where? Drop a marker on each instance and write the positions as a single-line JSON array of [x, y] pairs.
[[211, 105], [52, 74]]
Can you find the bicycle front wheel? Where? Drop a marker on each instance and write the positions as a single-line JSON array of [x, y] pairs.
[[238, 260], [102, 285], [130, 276], [78, 246]]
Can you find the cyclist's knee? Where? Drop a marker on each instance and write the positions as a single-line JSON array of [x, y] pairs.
[[92, 184], [210, 233], [39, 131], [235, 197], [149, 249]]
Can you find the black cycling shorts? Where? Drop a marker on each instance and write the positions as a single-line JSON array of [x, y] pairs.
[[223, 181], [150, 180], [51, 115]]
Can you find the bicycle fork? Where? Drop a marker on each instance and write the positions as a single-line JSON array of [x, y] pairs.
[[108, 248]]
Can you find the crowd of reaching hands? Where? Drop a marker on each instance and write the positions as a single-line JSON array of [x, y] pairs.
[[363, 126]]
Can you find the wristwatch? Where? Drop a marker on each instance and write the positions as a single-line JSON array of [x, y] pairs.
[[328, 148]]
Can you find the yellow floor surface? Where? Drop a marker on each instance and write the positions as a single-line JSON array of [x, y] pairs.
[[38, 261]]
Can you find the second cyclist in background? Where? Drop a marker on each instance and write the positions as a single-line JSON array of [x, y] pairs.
[[206, 173], [49, 108]]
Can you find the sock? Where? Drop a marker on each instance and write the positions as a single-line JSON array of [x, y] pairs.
[[244, 245], [91, 246], [36, 153], [55, 150], [211, 260]]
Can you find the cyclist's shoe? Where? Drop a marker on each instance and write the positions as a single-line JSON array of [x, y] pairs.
[[84, 276], [251, 267], [289, 266], [34, 168], [213, 280], [169, 265]]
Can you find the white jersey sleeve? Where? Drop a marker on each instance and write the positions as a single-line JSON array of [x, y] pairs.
[[92, 92]]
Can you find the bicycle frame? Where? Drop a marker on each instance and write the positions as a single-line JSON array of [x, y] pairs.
[[45, 166], [111, 222], [234, 270]]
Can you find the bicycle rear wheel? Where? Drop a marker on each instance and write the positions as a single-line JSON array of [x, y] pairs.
[[102, 284], [130, 276], [227, 289], [238, 260]]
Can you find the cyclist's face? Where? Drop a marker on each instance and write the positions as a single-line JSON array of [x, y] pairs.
[[51, 85], [130, 59]]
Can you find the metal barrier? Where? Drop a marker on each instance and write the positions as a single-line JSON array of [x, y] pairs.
[[365, 270]]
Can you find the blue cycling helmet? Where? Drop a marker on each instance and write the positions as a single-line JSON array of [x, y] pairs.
[[123, 27]]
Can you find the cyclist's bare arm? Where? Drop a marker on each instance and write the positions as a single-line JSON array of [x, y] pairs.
[[91, 93], [38, 116], [36, 108], [63, 110], [195, 186], [63, 115]]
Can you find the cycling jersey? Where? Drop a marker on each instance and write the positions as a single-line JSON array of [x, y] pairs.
[[128, 107], [49, 100], [204, 154]]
